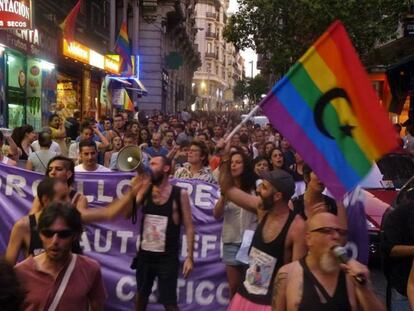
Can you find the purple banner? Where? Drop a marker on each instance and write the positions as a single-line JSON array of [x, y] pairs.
[[114, 244]]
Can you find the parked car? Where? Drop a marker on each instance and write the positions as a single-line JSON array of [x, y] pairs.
[[393, 188]]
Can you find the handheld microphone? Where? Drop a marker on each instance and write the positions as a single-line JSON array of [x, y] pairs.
[[342, 256]]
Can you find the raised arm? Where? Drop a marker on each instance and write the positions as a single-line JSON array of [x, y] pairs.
[[189, 231], [227, 187], [104, 141], [14, 151], [218, 210], [123, 205]]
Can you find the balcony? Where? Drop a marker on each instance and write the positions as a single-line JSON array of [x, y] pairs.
[[211, 35], [211, 15], [211, 55]]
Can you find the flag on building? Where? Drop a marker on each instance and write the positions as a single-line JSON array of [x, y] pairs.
[[123, 48], [326, 107], [126, 101], [68, 25]]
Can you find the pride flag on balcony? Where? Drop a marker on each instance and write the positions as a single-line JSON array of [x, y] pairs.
[[123, 48], [68, 25], [326, 107]]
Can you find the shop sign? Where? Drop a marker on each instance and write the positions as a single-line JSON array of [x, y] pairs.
[[16, 14], [79, 52], [111, 64], [30, 42]]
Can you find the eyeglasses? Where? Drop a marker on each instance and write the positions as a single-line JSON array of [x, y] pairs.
[[331, 230], [62, 234]]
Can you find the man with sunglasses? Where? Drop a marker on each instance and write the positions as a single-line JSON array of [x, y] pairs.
[[58, 279], [24, 235], [320, 281]]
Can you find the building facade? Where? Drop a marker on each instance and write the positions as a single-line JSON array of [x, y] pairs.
[[222, 65], [42, 73], [168, 54]]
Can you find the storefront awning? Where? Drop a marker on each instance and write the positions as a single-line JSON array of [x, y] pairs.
[[131, 83]]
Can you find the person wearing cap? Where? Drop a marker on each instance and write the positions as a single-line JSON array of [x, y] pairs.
[[325, 279], [278, 238]]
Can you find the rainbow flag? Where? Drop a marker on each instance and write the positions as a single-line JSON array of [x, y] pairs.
[[126, 101], [123, 48], [68, 25], [326, 107]]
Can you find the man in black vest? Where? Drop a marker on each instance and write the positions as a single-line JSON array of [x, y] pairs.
[[164, 208], [278, 238]]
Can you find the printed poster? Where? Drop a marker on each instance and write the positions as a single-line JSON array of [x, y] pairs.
[[260, 271], [154, 232]]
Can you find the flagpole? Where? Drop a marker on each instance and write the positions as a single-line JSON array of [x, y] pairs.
[[237, 128]]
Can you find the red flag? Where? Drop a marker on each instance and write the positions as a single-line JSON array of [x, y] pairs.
[[68, 25]]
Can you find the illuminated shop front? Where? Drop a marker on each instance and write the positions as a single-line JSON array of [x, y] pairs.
[[27, 77], [79, 78]]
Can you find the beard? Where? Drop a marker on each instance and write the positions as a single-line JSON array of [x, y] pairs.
[[157, 177], [328, 263], [267, 202]]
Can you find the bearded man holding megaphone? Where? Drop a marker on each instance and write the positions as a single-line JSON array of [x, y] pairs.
[[164, 208]]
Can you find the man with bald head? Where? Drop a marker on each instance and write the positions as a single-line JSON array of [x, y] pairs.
[[319, 281]]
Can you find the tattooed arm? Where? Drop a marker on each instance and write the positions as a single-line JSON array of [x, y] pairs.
[[279, 290]]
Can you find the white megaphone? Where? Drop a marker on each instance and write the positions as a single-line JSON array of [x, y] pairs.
[[129, 159]]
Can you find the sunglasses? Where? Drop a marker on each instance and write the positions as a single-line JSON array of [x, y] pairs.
[[331, 230], [62, 234]]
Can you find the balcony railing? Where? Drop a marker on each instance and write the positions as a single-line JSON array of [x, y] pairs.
[[211, 55], [211, 35], [211, 15]]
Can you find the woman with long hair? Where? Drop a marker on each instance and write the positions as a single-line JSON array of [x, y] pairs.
[[23, 136], [144, 137], [277, 160], [235, 219]]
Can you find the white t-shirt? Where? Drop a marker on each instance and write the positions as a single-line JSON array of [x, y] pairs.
[[54, 147], [99, 169]]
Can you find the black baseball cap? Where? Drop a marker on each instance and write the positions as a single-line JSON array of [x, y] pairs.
[[282, 181]]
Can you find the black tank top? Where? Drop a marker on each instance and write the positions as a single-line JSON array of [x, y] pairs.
[[36, 245], [311, 300], [265, 260], [159, 234], [299, 205]]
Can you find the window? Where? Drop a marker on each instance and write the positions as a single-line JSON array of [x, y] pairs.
[[209, 47]]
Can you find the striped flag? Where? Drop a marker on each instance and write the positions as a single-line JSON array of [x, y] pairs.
[[326, 107], [123, 48], [126, 101], [68, 25]]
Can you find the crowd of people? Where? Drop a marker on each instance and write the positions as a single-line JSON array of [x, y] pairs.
[[289, 266]]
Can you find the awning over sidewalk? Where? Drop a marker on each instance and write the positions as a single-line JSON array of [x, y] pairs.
[[131, 84]]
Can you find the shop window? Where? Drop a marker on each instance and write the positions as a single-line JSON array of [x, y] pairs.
[[16, 90]]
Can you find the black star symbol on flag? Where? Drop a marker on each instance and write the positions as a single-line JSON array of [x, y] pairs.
[[347, 129]]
